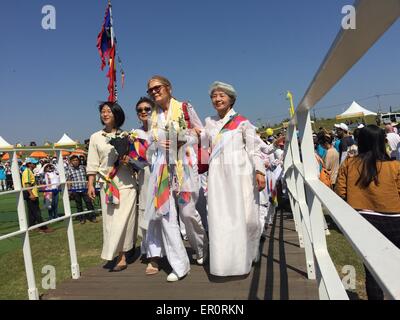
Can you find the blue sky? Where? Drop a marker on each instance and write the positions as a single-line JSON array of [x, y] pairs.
[[51, 82]]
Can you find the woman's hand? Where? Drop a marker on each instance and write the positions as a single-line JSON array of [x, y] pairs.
[[125, 160], [198, 131], [91, 192], [260, 180], [165, 144]]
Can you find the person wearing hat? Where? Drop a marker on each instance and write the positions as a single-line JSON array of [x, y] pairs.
[[31, 195], [236, 176], [177, 161], [51, 179], [346, 140]]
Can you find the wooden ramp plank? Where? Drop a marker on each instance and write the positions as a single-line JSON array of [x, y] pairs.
[[279, 275]]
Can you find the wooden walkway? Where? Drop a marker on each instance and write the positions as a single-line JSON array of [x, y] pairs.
[[279, 275]]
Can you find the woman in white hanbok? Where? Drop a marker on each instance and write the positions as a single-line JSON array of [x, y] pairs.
[[144, 107], [235, 177], [173, 182]]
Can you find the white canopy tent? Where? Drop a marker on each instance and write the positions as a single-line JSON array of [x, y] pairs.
[[65, 141], [4, 144], [355, 110]]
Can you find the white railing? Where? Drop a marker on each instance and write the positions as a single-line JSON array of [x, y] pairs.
[[24, 228], [307, 193]]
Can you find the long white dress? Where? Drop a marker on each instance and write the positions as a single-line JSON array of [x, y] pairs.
[[233, 207], [143, 184], [119, 227]]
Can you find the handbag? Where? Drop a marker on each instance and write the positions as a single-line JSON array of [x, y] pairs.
[[325, 174]]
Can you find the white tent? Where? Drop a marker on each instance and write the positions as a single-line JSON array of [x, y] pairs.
[[355, 110], [65, 141], [4, 144]]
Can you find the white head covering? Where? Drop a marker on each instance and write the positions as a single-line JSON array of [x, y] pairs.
[[227, 88], [342, 126]]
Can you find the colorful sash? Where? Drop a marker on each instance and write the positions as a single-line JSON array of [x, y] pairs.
[[111, 189], [162, 191], [137, 149], [232, 124]]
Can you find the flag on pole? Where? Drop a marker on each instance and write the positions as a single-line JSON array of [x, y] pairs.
[[106, 46], [104, 38]]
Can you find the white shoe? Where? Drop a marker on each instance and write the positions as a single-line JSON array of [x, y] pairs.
[[327, 232], [172, 277], [201, 260]]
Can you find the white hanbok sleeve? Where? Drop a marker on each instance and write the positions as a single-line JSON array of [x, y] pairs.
[[205, 138], [194, 118], [266, 148], [196, 123], [252, 142]]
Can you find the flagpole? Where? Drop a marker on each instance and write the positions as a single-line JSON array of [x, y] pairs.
[[112, 45]]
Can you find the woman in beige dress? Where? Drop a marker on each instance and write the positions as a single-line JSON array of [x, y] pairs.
[[118, 210]]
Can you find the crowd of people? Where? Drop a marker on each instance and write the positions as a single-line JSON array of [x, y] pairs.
[[42, 179], [151, 183], [363, 168]]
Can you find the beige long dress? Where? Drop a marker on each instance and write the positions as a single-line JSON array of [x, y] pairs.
[[119, 227]]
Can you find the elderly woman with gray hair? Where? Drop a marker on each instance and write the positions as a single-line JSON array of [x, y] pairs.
[[235, 177]]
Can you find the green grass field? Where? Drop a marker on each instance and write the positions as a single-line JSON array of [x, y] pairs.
[[47, 249]]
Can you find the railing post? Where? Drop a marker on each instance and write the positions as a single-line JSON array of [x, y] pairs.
[[67, 210], [33, 292], [291, 183], [303, 208], [311, 173]]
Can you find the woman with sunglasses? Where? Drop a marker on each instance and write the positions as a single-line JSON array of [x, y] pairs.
[[119, 212], [144, 107], [236, 175], [174, 178]]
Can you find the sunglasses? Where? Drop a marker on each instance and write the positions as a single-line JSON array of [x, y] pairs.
[[155, 89], [145, 109]]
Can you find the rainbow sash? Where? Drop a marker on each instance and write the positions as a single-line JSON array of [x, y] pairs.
[[232, 124], [111, 189], [137, 149], [162, 191]]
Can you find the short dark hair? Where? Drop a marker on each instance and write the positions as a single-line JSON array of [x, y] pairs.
[[74, 157], [145, 99], [116, 109]]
